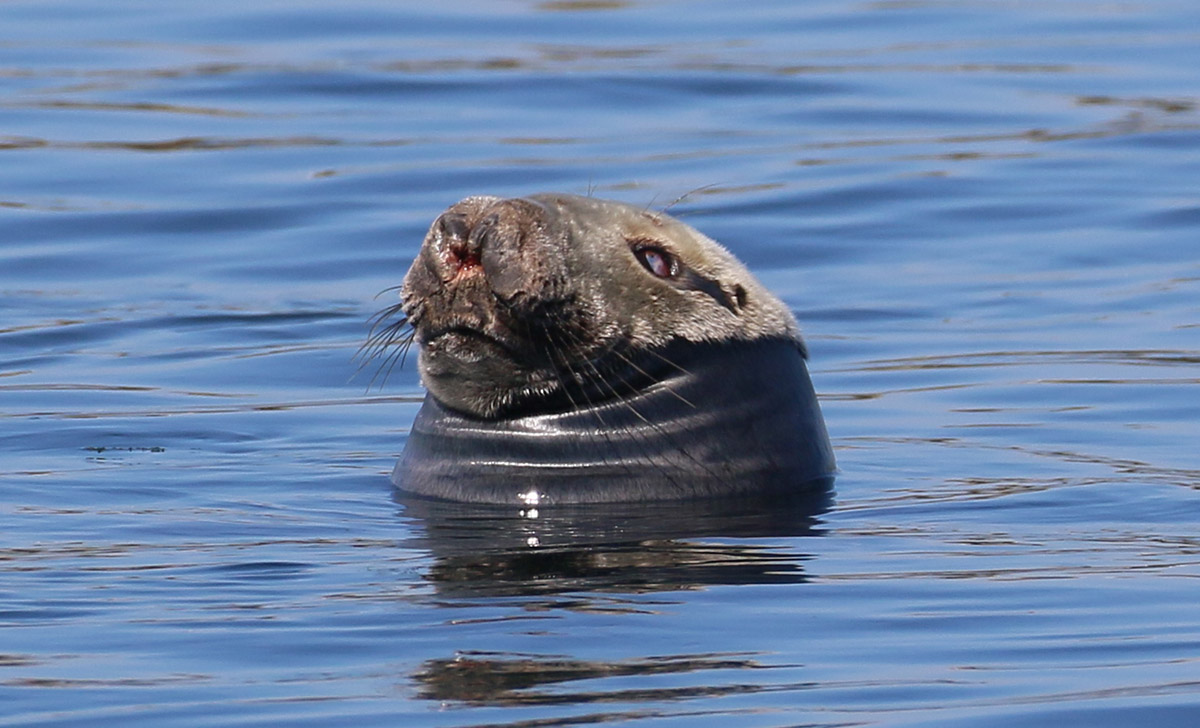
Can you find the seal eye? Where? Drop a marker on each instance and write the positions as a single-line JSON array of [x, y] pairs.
[[656, 260]]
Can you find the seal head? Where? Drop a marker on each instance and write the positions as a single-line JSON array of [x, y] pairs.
[[583, 350]]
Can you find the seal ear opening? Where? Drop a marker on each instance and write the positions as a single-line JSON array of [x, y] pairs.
[[739, 294]]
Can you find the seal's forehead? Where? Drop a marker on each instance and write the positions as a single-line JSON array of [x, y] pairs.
[[632, 221], [579, 207], [604, 228]]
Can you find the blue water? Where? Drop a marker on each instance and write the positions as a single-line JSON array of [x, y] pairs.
[[984, 214]]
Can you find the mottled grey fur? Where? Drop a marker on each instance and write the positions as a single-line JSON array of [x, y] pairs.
[[568, 261]]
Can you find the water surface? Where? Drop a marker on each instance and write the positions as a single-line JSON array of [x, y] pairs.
[[984, 215]]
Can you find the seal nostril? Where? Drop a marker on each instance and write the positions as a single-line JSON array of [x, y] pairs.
[[453, 245], [454, 227], [462, 257], [484, 236]]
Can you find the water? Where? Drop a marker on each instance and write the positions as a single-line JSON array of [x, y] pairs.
[[984, 214]]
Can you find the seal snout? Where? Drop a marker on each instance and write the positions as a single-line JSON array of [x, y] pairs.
[[502, 249], [480, 298], [458, 250]]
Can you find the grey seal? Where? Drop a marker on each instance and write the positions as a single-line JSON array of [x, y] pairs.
[[579, 350]]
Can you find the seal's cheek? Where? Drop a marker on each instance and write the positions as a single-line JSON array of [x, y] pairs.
[[523, 265], [420, 284]]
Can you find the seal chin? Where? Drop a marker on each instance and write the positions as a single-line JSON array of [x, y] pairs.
[[475, 374]]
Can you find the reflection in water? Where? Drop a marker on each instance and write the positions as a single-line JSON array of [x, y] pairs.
[[505, 679], [639, 547], [487, 552]]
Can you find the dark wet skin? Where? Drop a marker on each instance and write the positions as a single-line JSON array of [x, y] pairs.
[[735, 420]]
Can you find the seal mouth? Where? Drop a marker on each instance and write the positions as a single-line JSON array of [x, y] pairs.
[[466, 343], [466, 333]]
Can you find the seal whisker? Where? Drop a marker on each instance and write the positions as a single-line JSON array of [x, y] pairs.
[[399, 354], [688, 194], [667, 387], [389, 289], [598, 378], [561, 364], [603, 433], [380, 317], [669, 362], [622, 398], [380, 339], [397, 335]]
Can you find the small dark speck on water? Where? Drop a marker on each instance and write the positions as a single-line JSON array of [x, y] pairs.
[[125, 449]]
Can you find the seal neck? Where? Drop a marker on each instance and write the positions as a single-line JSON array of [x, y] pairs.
[[714, 420], [626, 376]]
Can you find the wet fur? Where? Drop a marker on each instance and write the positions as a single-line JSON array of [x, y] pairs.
[[569, 304]]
